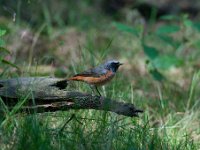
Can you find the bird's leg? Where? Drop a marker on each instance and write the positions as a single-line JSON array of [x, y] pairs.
[[92, 87], [97, 90]]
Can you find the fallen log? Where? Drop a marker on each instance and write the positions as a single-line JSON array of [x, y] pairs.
[[40, 94]]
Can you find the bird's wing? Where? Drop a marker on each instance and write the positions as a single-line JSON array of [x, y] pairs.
[[94, 72]]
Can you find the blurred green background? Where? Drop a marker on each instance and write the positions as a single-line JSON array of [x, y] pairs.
[[158, 42]]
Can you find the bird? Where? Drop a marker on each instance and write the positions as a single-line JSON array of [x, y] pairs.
[[99, 75]]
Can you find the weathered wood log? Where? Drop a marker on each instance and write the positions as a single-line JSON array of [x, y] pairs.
[[50, 94]]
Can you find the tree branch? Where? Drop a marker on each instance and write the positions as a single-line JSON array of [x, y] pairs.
[[50, 95]]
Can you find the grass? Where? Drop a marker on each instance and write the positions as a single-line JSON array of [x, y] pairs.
[[171, 106], [158, 128]]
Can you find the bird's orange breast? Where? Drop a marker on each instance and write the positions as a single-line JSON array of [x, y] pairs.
[[103, 79]]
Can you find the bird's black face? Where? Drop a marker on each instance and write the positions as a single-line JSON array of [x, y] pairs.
[[113, 65]]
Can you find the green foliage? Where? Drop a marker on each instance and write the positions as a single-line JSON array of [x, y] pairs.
[[126, 28], [169, 40], [2, 32], [171, 117], [2, 42], [167, 61], [154, 71], [4, 52], [169, 17], [161, 59], [197, 26], [167, 29], [151, 52]]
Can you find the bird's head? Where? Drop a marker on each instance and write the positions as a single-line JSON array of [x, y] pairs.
[[112, 65]]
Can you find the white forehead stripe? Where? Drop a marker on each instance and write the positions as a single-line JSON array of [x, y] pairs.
[[112, 61]]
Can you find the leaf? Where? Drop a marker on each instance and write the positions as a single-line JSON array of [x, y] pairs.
[[167, 61], [197, 25], [167, 29], [188, 23], [4, 107], [196, 44], [169, 17], [154, 71], [2, 32], [126, 28], [157, 75], [169, 40], [2, 42], [9, 63], [151, 52], [2, 49]]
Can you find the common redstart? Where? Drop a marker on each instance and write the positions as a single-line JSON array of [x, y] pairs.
[[99, 75]]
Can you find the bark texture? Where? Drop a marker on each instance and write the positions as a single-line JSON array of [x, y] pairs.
[[42, 94]]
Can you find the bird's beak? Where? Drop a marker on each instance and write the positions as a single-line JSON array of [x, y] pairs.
[[120, 64]]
